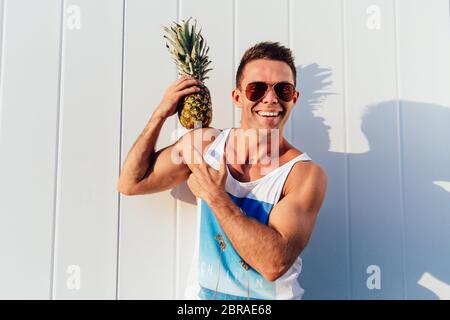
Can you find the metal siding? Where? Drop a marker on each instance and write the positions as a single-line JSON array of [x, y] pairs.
[[86, 217], [147, 236], [28, 134], [319, 114], [374, 113]]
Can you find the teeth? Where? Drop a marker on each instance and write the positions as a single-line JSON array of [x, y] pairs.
[[268, 114]]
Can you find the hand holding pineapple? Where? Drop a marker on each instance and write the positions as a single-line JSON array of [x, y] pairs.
[[190, 53], [175, 92]]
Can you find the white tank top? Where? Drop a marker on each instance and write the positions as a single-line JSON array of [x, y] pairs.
[[217, 270]]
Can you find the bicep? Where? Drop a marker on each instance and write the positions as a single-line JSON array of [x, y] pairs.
[[169, 168], [168, 171], [295, 215]]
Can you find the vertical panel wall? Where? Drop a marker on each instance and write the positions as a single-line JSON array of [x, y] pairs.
[[318, 127], [80, 79], [30, 57], [375, 208], [424, 74], [147, 228], [88, 157]]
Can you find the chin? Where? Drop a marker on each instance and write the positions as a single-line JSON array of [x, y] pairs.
[[256, 121], [270, 123]]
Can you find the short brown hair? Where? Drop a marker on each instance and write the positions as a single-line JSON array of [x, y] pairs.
[[266, 50]]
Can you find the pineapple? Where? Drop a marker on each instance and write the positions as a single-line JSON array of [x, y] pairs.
[[190, 53]]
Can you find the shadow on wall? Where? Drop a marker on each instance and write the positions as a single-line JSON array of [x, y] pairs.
[[378, 225]]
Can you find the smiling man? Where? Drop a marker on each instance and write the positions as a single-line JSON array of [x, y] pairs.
[[258, 196]]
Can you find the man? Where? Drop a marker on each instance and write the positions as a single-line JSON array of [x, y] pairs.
[[256, 217]]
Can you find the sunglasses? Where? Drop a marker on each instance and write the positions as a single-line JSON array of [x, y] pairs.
[[257, 90]]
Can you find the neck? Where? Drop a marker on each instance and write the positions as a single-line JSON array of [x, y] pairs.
[[255, 146]]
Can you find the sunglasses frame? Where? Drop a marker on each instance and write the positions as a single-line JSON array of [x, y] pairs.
[[270, 86]]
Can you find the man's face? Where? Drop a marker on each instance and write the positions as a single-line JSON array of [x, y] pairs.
[[270, 72]]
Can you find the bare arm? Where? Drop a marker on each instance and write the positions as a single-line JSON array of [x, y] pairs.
[[143, 164], [272, 249], [144, 170]]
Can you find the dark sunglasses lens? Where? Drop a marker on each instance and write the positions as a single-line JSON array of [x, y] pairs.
[[285, 91], [255, 90]]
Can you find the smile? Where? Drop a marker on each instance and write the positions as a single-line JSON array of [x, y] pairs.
[[269, 115]]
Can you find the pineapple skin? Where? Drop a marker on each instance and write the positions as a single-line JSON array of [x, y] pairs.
[[195, 107]]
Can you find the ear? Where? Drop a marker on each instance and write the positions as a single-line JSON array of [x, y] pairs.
[[237, 97], [296, 97]]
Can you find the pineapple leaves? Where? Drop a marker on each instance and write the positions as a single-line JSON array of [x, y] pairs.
[[188, 48]]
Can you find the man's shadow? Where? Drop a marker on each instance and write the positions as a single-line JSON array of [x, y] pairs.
[[396, 219]]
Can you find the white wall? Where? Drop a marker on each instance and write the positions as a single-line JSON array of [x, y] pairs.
[[374, 113]]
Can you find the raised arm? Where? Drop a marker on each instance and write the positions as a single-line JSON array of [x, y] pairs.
[[146, 171]]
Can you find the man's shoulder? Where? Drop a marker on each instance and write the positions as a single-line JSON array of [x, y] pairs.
[[204, 132], [305, 175]]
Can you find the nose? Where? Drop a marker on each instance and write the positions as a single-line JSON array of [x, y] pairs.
[[271, 96]]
